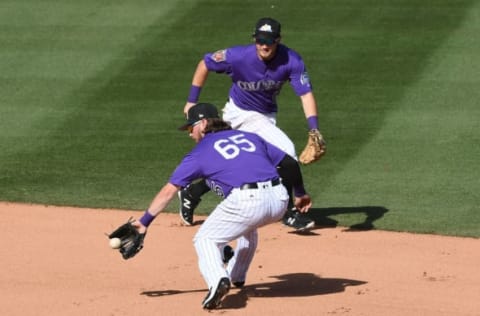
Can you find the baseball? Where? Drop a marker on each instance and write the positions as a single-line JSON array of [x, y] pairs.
[[115, 243]]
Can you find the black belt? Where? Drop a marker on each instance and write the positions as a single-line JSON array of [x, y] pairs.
[[256, 185]]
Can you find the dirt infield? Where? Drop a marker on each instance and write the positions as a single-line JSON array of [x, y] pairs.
[[56, 261]]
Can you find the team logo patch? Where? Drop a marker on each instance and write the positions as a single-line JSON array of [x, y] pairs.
[[219, 55], [217, 189], [304, 79]]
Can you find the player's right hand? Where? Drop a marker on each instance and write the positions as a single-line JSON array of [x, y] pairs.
[[187, 107], [303, 203]]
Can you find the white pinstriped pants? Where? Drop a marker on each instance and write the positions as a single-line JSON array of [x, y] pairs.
[[237, 217], [261, 124]]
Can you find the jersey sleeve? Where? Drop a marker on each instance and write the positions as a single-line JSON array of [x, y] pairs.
[[299, 79], [187, 171], [218, 61], [275, 154]]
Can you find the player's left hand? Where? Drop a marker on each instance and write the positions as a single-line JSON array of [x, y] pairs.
[[303, 203], [314, 150]]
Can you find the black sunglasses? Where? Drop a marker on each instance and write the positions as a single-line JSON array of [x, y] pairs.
[[265, 41]]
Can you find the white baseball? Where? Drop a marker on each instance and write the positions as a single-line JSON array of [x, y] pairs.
[[115, 243]]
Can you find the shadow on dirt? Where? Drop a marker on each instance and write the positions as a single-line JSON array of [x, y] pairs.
[[170, 292], [322, 219], [288, 285]]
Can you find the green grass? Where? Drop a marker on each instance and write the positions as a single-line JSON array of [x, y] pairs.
[[92, 93]]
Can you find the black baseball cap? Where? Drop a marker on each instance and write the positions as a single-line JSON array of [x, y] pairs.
[[198, 112], [267, 28]]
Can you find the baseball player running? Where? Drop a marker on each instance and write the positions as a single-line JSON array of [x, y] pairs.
[[258, 71], [241, 167]]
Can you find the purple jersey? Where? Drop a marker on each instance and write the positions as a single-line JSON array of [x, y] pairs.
[[228, 159], [255, 83]]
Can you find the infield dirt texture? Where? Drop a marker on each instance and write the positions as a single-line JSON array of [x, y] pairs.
[[58, 262]]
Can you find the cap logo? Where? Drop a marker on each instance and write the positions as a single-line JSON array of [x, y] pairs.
[[265, 28]]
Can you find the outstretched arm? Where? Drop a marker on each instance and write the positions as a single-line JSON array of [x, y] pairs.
[[310, 109], [199, 78], [316, 146], [159, 203]]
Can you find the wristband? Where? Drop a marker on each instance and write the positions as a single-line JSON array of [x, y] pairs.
[[194, 94], [146, 219], [299, 191], [312, 122]]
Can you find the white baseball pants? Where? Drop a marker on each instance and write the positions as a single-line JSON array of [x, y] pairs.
[[237, 217], [261, 124]]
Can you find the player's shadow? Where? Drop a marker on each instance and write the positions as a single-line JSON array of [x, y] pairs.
[[288, 285], [322, 218], [169, 292]]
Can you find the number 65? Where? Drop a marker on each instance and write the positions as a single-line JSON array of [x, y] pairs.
[[231, 147]]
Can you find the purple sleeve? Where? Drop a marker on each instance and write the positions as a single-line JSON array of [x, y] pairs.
[[299, 79], [218, 61], [186, 172], [276, 155]]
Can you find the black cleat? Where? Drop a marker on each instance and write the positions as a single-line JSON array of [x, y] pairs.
[[239, 284], [215, 296], [227, 254], [187, 206], [299, 221]]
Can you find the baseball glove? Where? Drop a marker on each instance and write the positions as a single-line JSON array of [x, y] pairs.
[[132, 240], [315, 148]]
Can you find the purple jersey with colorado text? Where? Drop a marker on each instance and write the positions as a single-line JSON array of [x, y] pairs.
[[255, 83], [227, 159]]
